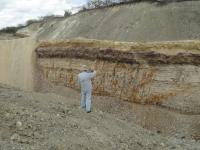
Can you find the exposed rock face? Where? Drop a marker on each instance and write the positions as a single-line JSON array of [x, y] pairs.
[[141, 76], [139, 57], [17, 62]]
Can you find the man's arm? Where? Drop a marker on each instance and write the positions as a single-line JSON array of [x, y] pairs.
[[92, 73], [79, 83]]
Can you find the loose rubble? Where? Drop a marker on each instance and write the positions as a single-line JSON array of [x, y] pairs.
[[36, 121]]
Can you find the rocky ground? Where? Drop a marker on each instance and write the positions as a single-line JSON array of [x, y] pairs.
[[49, 121]]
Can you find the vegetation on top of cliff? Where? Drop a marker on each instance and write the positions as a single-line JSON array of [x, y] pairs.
[[14, 29], [9, 30], [95, 4]]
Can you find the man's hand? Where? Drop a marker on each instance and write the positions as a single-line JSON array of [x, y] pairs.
[[90, 70]]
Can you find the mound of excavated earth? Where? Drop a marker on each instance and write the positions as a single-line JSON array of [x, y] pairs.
[[132, 22], [35, 121]]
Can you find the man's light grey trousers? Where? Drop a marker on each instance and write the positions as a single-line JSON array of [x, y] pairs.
[[86, 100]]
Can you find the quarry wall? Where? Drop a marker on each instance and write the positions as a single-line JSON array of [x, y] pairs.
[[168, 76], [165, 74], [17, 62]]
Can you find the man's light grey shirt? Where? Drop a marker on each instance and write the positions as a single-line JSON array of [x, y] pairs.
[[84, 79]]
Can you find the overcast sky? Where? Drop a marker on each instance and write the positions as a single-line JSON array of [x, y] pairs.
[[14, 12]]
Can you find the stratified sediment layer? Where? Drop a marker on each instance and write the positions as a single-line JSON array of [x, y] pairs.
[[166, 73]]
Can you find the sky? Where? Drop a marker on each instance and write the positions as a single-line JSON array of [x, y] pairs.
[[14, 12]]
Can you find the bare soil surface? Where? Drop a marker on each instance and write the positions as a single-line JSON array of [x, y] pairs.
[[49, 121]]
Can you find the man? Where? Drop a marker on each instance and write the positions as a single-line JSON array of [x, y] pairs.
[[84, 79]]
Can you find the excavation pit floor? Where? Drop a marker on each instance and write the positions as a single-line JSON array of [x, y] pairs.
[[53, 120]]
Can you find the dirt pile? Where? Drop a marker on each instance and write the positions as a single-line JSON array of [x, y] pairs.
[[35, 121], [136, 22]]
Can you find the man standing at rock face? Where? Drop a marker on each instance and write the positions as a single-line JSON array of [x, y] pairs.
[[84, 79]]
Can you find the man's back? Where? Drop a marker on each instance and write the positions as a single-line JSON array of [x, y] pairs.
[[85, 80]]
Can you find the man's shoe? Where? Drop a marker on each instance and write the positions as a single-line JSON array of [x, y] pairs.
[[88, 111]]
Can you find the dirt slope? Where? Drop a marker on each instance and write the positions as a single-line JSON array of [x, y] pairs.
[[136, 22]]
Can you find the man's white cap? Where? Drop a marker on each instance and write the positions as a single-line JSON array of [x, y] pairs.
[[84, 67]]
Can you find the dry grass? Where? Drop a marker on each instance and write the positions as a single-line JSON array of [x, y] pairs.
[[190, 45]]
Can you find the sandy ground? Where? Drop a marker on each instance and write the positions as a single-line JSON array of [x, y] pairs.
[[48, 121]]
